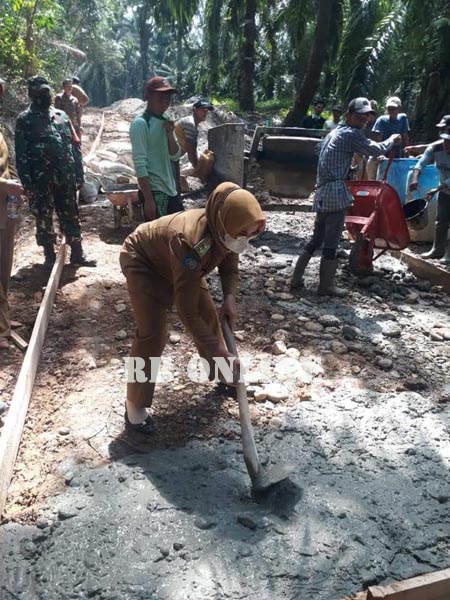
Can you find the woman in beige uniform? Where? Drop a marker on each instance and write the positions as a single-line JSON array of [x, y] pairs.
[[7, 228], [165, 263]]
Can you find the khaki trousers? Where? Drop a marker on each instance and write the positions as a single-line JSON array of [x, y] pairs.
[[6, 259], [151, 297]]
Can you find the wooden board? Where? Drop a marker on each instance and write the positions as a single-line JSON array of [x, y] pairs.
[[424, 269], [18, 341], [12, 431], [432, 586]]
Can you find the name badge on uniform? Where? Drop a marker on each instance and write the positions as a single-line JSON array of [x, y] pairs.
[[191, 263]]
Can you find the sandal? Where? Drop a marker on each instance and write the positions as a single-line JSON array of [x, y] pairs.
[[147, 427]]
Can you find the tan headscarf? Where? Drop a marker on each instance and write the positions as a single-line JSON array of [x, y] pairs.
[[238, 210]]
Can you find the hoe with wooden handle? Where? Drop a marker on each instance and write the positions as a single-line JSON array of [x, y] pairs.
[[262, 478]]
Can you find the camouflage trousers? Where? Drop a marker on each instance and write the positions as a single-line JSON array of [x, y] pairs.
[[44, 201]]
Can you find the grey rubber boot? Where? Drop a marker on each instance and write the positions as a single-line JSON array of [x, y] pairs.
[[440, 239], [50, 256], [78, 257], [446, 258], [300, 266], [327, 274]]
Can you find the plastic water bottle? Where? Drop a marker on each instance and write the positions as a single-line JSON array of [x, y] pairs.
[[12, 207]]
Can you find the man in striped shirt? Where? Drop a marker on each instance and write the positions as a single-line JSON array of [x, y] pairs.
[[332, 197]]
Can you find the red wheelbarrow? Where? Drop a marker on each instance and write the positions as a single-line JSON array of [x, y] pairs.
[[375, 221]]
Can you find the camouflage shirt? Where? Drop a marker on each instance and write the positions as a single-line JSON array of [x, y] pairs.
[[44, 148]]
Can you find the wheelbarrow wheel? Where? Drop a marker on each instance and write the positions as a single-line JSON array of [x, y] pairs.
[[361, 257]]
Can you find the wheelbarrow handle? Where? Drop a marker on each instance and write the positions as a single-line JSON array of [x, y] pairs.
[[391, 158]]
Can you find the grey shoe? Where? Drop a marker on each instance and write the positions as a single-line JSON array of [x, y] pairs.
[[300, 266], [327, 274]]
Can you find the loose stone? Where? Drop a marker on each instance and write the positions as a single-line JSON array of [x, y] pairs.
[[205, 523], [384, 363], [247, 521], [391, 329], [279, 348], [277, 317]]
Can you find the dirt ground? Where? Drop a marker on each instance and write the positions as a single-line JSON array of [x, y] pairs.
[[389, 337]]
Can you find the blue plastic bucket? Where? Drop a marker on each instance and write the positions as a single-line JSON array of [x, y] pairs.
[[429, 179], [398, 174]]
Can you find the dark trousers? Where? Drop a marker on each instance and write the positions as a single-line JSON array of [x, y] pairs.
[[328, 228], [443, 210], [6, 258]]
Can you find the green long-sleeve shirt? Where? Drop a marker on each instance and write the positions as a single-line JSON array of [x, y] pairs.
[[150, 149]]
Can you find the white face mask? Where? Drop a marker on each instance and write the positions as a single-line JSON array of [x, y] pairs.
[[238, 245]]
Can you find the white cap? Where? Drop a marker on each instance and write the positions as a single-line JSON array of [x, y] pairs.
[[394, 102]]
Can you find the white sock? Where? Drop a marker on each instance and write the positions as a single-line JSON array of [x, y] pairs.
[[136, 415]]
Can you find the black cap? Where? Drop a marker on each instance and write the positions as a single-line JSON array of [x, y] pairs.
[[360, 106], [37, 84], [203, 103], [444, 122], [338, 107], [445, 133], [75, 80]]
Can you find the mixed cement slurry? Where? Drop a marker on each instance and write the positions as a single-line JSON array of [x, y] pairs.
[[369, 502]]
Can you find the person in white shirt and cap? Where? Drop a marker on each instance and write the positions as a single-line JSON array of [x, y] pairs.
[[438, 153]]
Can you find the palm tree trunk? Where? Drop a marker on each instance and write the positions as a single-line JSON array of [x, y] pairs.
[[144, 38], [179, 55], [314, 67], [247, 62], [431, 103], [213, 22]]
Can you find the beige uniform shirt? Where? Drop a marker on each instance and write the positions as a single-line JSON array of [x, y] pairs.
[[4, 174], [162, 246]]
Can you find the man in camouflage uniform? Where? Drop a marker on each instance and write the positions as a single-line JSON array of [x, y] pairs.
[[70, 105], [50, 171]]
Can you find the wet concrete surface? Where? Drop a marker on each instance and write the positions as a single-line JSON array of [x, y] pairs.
[[367, 503]]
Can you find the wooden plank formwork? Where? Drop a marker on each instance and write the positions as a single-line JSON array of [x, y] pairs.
[[424, 270], [431, 586], [17, 412]]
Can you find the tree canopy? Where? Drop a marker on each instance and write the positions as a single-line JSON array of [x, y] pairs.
[[286, 51]]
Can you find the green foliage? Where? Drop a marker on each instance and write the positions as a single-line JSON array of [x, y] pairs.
[[375, 48]]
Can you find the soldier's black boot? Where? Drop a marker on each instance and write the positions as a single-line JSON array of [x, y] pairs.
[[78, 257], [50, 256]]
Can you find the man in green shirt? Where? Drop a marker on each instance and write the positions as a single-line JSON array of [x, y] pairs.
[[154, 148]]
